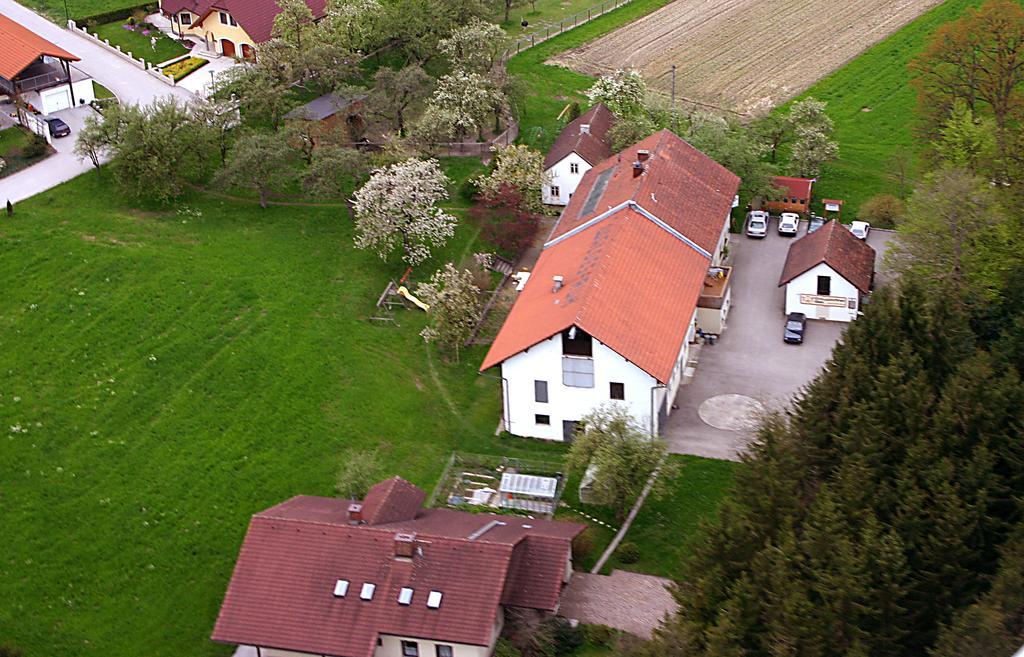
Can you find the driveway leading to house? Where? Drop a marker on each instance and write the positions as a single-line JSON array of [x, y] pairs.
[[630, 602], [130, 84], [750, 368]]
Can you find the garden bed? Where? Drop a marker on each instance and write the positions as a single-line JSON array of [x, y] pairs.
[[181, 69], [497, 484], [20, 149]]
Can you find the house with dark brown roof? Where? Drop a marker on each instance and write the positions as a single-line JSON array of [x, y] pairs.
[[386, 577], [828, 273], [582, 144], [610, 309], [39, 71], [230, 27]]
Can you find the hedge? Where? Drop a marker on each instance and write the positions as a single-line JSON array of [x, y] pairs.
[[178, 70], [117, 14]]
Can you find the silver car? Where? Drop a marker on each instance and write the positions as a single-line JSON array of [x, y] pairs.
[[757, 223]]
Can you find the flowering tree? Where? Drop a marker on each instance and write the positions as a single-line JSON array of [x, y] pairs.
[[460, 105], [475, 46], [623, 92], [521, 168], [353, 22], [813, 129], [396, 206], [454, 301]]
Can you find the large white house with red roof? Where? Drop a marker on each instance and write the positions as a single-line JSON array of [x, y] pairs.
[[582, 144], [387, 577], [610, 309]]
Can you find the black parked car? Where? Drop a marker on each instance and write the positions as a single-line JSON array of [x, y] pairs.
[[795, 325], [815, 223], [58, 128]]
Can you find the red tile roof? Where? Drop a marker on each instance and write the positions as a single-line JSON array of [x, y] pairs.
[[591, 145], [21, 47], [281, 592], [796, 187], [631, 278], [392, 500], [256, 17], [834, 245]]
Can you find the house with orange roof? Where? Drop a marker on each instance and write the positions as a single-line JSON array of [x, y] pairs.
[[610, 309], [40, 72]]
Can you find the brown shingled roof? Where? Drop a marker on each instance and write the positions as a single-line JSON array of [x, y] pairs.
[[20, 47], [591, 145], [392, 500], [834, 245], [281, 591]]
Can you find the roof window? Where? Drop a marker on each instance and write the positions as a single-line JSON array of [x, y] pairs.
[[405, 596], [434, 599], [340, 588], [367, 592]]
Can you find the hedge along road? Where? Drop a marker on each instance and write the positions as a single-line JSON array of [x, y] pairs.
[[130, 84]]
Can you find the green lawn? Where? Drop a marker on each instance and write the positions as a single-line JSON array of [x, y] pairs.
[[872, 103], [167, 375], [78, 8], [139, 44], [13, 141], [543, 14]]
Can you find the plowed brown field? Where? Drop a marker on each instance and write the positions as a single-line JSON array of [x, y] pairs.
[[744, 55]]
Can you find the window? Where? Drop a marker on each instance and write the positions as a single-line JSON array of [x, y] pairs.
[[568, 430], [555, 192], [227, 19], [443, 650], [577, 372], [186, 18], [340, 588], [540, 391], [434, 599], [824, 285], [405, 596], [851, 304], [577, 343], [367, 592], [574, 167], [617, 390], [410, 649], [542, 419]]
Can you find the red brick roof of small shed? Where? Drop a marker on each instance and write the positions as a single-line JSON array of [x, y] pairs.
[[834, 245]]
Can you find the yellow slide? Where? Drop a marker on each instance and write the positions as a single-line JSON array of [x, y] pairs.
[[404, 291]]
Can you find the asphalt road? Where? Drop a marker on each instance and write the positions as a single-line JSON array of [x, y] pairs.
[[750, 359]]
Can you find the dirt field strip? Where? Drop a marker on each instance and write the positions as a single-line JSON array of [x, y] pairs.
[[744, 55]]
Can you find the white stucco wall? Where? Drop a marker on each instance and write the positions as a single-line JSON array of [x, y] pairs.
[[57, 98], [543, 362], [718, 257], [563, 178], [807, 283]]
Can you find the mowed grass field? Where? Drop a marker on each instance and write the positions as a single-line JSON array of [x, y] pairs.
[[873, 104], [165, 376], [78, 8]]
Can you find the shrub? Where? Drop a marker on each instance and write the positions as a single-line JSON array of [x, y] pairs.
[[628, 552], [583, 545], [7, 650], [600, 635], [503, 648], [881, 211], [178, 70], [505, 224], [34, 148], [566, 636]]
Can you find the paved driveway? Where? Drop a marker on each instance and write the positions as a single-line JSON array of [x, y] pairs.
[[750, 366], [627, 601], [128, 83]]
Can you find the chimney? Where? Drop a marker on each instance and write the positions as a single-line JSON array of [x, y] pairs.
[[584, 128], [638, 168], [643, 155], [405, 546], [559, 282], [355, 514]]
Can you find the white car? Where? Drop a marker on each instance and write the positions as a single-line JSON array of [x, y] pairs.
[[789, 223], [757, 223], [860, 229]]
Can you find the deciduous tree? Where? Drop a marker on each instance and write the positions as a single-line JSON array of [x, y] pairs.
[[476, 46], [623, 92], [396, 207], [294, 23], [360, 469], [454, 301], [333, 170], [813, 144], [395, 92], [259, 161], [521, 168], [460, 105]]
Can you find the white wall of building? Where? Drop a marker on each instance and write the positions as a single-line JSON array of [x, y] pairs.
[[804, 288], [543, 362], [58, 98], [564, 179]]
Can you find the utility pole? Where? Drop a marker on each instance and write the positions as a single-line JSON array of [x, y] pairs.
[[673, 105], [67, 14]]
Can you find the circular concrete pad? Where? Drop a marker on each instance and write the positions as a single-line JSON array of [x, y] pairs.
[[731, 412]]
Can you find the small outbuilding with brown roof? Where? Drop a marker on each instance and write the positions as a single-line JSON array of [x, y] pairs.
[[828, 273], [581, 145]]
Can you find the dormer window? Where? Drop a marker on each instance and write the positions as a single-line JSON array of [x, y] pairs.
[[340, 588], [367, 592], [185, 18]]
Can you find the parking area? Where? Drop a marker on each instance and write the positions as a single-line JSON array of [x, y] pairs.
[[750, 369]]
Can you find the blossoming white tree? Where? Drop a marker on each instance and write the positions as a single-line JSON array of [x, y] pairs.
[[623, 92], [521, 168], [454, 301], [396, 207], [476, 46], [460, 105]]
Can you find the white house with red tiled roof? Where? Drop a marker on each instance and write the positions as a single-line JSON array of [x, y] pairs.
[[610, 309], [582, 144], [388, 578]]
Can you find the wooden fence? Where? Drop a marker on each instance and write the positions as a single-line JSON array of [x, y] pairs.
[[568, 23]]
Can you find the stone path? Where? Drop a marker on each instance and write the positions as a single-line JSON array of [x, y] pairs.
[[630, 602]]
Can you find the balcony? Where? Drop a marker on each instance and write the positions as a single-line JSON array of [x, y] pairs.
[[37, 76]]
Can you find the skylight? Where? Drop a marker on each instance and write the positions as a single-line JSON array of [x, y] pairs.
[[340, 588], [597, 191], [367, 592], [405, 596], [434, 599]]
